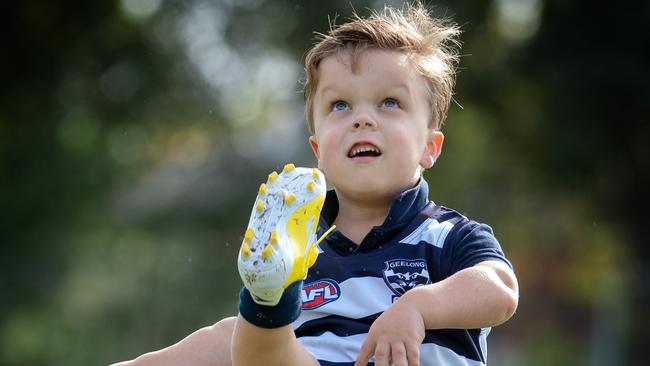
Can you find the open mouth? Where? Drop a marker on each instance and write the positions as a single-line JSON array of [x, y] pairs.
[[364, 150]]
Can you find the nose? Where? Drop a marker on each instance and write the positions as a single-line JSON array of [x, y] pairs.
[[364, 124], [362, 120]]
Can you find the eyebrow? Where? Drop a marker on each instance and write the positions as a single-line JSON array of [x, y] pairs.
[[393, 88], [402, 87]]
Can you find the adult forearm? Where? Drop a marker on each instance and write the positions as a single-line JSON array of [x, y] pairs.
[[481, 296]]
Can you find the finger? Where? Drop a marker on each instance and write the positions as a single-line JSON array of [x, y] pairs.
[[413, 354], [367, 348], [398, 354], [382, 354]]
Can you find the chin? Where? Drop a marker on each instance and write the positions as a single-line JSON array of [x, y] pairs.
[[367, 192], [368, 184]]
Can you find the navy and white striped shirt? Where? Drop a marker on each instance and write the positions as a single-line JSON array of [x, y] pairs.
[[350, 285]]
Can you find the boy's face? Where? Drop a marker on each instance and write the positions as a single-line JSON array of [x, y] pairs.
[[371, 134]]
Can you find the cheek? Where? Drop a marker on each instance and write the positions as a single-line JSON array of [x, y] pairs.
[[328, 142], [412, 153], [330, 153], [410, 143], [325, 154]]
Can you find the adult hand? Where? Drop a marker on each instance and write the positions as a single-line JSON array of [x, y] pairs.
[[395, 337]]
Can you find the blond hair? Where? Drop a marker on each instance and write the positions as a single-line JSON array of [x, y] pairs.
[[430, 43]]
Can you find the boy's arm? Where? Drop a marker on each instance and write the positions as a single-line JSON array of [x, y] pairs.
[[480, 296], [208, 346]]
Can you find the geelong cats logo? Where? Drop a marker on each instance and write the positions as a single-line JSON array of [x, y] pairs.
[[402, 275]]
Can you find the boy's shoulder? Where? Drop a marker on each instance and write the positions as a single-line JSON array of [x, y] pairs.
[[463, 242], [440, 225], [443, 213], [446, 214], [437, 215]]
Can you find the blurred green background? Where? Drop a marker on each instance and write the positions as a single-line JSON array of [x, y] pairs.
[[134, 133]]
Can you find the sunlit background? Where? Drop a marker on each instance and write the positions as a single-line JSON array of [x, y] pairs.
[[134, 133]]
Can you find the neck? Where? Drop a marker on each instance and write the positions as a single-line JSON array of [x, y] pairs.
[[356, 218]]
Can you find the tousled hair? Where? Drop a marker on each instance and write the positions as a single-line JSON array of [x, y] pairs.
[[430, 43]]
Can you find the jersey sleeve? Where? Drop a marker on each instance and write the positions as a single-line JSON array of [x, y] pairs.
[[471, 244]]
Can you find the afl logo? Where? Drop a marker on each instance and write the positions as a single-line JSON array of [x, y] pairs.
[[318, 293], [402, 275]]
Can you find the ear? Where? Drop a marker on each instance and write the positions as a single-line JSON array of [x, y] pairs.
[[314, 146], [432, 149]]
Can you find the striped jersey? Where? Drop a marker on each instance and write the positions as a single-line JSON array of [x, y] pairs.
[[351, 285]]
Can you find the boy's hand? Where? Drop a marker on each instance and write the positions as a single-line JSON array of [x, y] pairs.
[[395, 337]]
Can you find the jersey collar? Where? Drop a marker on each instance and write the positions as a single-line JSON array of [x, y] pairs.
[[403, 209]]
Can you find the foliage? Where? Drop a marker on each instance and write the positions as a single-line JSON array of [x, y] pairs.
[[132, 134]]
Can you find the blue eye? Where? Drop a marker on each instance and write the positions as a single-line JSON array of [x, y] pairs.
[[340, 106], [390, 103]]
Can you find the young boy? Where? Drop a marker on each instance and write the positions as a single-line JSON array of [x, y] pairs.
[[402, 281]]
